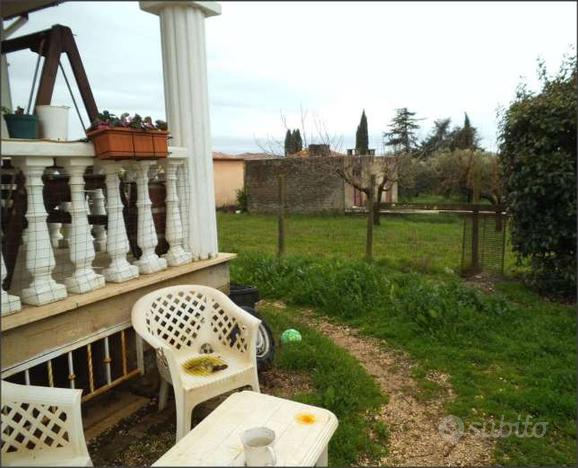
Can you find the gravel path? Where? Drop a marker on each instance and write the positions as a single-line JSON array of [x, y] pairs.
[[415, 438]]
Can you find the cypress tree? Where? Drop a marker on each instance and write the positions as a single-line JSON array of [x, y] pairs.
[[361, 136], [288, 142], [298, 141]]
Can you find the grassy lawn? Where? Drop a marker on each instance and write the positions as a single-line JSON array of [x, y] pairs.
[[426, 243], [510, 354]]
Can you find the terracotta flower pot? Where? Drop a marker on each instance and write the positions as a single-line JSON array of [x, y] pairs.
[[129, 143]]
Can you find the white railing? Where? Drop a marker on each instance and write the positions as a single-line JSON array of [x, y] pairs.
[[77, 244]]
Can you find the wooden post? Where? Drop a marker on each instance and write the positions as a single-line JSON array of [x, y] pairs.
[[370, 216], [281, 216], [475, 241]]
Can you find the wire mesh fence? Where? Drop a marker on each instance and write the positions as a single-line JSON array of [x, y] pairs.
[[484, 243]]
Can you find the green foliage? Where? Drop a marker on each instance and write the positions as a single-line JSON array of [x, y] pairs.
[[241, 196], [438, 140], [464, 174], [465, 137], [293, 142], [537, 138], [508, 354], [361, 136], [402, 135], [288, 142]]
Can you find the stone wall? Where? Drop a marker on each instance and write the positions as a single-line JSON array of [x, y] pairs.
[[312, 185]]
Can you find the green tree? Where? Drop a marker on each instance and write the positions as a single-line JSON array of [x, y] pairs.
[[361, 136], [438, 140], [288, 142], [466, 137], [537, 149], [402, 135], [298, 141]]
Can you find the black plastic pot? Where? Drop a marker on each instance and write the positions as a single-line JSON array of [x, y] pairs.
[[244, 295]]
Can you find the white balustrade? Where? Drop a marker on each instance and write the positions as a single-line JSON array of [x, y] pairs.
[[56, 236], [174, 227], [36, 263], [117, 244], [64, 207], [97, 207], [10, 303], [38, 250], [147, 240], [84, 278], [183, 192]]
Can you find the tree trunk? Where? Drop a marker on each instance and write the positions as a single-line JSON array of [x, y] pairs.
[[370, 218]]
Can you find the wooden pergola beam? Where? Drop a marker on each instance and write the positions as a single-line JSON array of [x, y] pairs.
[[51, 43]]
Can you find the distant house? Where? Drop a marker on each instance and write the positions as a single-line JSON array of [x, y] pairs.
[[313, 184], [229, 175]]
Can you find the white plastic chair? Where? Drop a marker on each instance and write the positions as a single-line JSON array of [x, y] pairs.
[[177, 322], [42, 426]]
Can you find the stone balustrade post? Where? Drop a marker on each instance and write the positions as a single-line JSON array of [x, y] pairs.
[[147, 240], [97, 207], [84, 278], [10, 303], [37, 246], [174, 227], [117, 245]]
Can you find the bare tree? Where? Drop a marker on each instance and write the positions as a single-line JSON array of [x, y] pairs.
[[276, 147], [357, 172]]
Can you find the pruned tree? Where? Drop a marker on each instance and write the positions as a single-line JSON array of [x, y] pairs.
[[357, 172]]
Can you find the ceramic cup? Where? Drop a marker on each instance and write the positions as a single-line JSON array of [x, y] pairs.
[[258, 446]]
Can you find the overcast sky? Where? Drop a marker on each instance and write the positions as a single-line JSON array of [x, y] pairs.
[[331, 59]]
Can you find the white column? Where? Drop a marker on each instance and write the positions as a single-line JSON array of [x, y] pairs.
[[9, 303], [117, 244], [174, 227], [187, 108], [147, 240], [97, 207], [38, 250], [84, 278]]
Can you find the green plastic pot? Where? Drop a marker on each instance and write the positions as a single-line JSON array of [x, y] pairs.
[[22, 126]]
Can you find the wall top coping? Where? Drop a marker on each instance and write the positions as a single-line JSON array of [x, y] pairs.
[[62, 149]]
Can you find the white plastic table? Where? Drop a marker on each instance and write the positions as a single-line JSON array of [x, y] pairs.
[[302, 433]]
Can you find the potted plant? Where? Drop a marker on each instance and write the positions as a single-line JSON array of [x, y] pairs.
[[127, 137], [21, 125]]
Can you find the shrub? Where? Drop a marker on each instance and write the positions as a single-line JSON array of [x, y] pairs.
[[242, 200], [538, 157]]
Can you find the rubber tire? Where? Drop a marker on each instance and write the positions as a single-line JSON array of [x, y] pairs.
[[265, 361]]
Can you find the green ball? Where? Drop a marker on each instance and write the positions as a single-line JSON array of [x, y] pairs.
[[290, 335]]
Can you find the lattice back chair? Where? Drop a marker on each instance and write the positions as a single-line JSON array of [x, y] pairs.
[[42, 426], [186, 322]]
